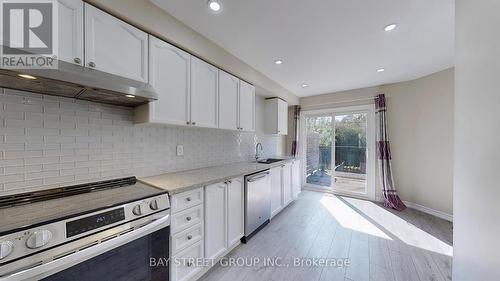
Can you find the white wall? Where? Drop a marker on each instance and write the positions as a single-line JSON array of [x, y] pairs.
[[420, 117], [48, 142], [154, 20], [477, 137]]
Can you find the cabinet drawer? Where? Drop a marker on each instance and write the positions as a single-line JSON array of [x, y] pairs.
[[184, 265], [186, 219], [186, 238], [186, 200]]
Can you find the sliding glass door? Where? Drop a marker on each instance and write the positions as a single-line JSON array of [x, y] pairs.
[[338, 146]]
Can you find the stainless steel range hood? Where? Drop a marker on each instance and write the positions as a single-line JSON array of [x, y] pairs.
[[79, 82]]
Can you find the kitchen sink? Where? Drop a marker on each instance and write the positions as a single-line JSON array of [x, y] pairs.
[[269, 161]]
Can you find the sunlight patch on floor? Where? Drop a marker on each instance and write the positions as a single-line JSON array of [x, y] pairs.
[[349, 218], [403, 230]]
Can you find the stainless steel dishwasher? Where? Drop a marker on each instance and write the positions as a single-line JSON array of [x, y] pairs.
[[257, 202]]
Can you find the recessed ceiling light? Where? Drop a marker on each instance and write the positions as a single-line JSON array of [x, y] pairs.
[[27, 76], [278, 62], [214, 5], [130, 96], [390, 27], [381, 70], [304, 85]]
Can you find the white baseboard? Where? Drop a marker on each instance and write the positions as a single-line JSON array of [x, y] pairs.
[[412, 205], [429, 211], [424, 209]]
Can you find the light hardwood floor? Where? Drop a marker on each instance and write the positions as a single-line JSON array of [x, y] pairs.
[[380, 244]]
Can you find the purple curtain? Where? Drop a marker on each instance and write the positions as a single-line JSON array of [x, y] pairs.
[[391, 198], [295, 134]]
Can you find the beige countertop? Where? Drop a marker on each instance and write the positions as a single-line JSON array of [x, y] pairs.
[[186, 180]]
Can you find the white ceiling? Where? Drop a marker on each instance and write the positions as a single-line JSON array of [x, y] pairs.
[[332, 45]]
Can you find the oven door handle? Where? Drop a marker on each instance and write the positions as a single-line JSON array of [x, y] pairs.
[[46, 269]]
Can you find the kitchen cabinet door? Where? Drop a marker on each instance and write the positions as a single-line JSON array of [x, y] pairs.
[[247, 107], [204, 94], [276, 191], [296, 179], [276, 116], [114, 46], [215, 220], [228, 101], [282, 117], [70, 31], [287, 183], [235, 211], [169, 71]]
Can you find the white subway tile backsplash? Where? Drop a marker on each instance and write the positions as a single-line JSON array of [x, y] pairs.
[[11, 178], [41, 160], [48, 141]]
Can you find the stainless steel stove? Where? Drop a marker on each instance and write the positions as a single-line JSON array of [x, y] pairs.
[[81, 232]]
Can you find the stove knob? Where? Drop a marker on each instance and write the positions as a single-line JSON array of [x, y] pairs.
[[38, 239], [6, 247], [153, 205], [137, 210]]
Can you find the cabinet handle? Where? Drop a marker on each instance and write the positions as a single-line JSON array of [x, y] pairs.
[[188, 199], [187, 122], [194, 123], [92, 64], [77, 60], [189, 237], [188, 218]]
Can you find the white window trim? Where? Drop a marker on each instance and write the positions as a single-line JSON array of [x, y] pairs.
[[370, 140]]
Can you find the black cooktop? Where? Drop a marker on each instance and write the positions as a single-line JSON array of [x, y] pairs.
[[29, 209]]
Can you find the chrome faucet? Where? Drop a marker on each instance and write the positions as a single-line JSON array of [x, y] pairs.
[[257, 151]]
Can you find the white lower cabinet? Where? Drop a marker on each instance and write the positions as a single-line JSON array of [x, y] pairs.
[[285, 186], [235, 211], [183, 267], [287, 183], [216, 218], [223, 217], [184, 239], [276, 191], [186, 234], [296, 179]]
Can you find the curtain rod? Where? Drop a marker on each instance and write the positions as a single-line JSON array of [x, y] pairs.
[[337, 102]]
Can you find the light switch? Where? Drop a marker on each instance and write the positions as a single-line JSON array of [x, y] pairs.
[[180, 150]]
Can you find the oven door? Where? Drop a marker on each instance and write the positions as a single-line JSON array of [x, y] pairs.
[[139, 252]]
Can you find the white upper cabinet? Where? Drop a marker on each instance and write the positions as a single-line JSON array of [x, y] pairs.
[[236, 103], [71, 31], [276, 113], [215, 220], [235, 211], [282, 117], [228, 101], [114, 46], [204, 94], [169, 72], [247, 107]]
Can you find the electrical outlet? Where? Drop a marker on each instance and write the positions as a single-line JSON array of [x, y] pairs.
[[180, 150]]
